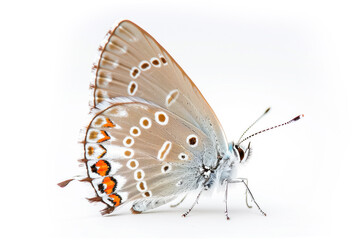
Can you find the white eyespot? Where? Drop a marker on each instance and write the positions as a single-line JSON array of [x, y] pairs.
[[145, 122], [147, 194], [192, 140], [155, 62], [135, 131], [132, 164], [161, 118], [164, 150], [128, 153], [132, 88], [171, 97], [183, 156], [128, 141], [134, 72], [141, 186], [166, 168], [139, 174], [144, 65]]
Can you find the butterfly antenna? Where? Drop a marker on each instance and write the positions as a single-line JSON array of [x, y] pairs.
[[262, 115], [280, 125]]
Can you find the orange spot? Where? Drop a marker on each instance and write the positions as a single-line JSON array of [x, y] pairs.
[[114, 111], [90, 150], [105, 138], [98, 121], [135, 131], [116, 199], [128, 141], [132, 88], [172, 97], [146, 122], [108, 123], [161, 117], [135, 72], [93, 135], [103, 168], [138, 175], [103, 153], [147, 194], [132, 164], [127, 153], [167, 146], [142, 186], [110, 184]]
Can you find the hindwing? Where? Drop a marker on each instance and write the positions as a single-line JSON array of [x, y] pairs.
[[137, 150]]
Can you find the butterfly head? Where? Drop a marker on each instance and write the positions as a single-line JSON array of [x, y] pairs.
[[243, 152]]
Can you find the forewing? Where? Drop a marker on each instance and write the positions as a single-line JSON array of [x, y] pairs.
[[132, 63], [136, 150]]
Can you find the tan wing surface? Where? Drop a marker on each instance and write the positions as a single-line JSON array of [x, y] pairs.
[[132, 63]]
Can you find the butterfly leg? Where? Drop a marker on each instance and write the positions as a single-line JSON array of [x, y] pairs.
[[241, 180], [196, 201], [246, 192], [226, 194], [177, 204]]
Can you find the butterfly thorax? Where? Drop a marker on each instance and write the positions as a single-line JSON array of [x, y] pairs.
[[225, 169]]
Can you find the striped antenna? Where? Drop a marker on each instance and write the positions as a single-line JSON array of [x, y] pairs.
[[262, 115], [280, 125]]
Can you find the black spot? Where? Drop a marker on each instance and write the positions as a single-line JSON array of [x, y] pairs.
[[101, 188], [192, 141], [155, 62], [109, 167], [144, 65], [135, 72], [163, 60], [94, 168]]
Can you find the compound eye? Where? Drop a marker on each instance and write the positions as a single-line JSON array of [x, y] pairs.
[[241, 153]]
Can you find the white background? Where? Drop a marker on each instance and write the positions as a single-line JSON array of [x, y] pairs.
[[295, 56]]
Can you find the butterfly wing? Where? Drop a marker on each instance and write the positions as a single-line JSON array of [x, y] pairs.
[[132, 63], [137, 150]]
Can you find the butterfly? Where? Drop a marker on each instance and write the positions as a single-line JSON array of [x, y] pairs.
[[153, 138]]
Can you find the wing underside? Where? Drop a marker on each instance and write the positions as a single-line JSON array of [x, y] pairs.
[[137, 150]]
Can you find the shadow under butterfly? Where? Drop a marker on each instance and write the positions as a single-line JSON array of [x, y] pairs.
[[153, 138]]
